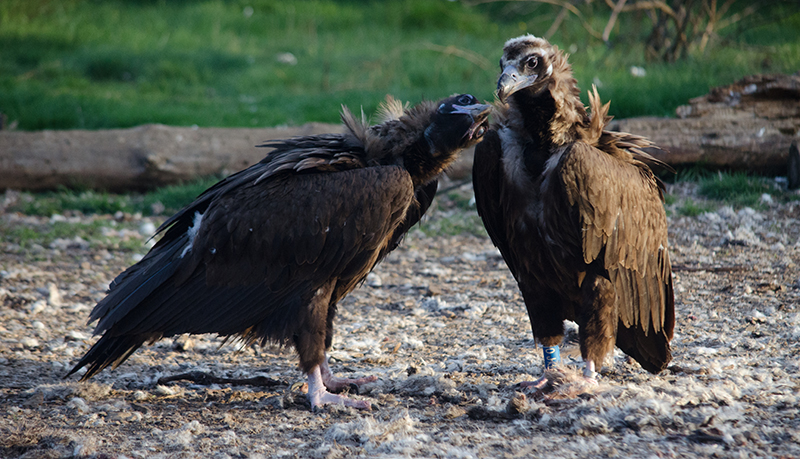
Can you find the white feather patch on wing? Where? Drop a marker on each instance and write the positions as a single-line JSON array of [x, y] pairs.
[[192, 232]]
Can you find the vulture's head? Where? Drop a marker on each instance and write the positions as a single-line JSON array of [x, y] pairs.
[[459, 122], [430, 135], [530, 64], [424, 139]]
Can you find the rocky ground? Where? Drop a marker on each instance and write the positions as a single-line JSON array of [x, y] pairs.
[[443, 327]]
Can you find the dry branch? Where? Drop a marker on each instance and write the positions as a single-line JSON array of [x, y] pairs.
[[207, 379]]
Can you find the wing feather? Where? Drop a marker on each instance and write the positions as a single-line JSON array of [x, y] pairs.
[[622, 216]]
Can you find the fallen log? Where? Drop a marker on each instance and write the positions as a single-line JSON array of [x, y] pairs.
[[749, 125], [141, 158], [132, 159]]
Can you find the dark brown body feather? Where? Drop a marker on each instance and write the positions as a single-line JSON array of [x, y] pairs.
[[578, 218], [266, 254]]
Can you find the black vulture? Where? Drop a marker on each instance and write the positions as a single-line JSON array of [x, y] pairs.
[[576, 212], [266, 254]]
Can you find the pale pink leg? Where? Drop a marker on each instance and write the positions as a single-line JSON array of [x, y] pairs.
[[319, 396], [335, 384], [589, 373]]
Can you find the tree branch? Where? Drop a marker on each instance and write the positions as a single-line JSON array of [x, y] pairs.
[[613, 19]]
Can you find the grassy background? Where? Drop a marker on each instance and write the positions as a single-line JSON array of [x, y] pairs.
[[71, 64], [67, 64]]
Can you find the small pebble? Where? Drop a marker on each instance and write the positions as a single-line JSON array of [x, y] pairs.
[[54, 296], [147, 229], [374, 280], [29, 342]]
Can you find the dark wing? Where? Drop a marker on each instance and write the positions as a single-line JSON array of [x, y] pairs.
[[260, 253], [309, 154], [423, 197], [488, 182], [320, 153], [623, 223]]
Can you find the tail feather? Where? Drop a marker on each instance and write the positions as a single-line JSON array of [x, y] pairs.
[[652, 351], [110, 351]]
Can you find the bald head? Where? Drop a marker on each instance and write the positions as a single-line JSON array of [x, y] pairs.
[[528, 63]]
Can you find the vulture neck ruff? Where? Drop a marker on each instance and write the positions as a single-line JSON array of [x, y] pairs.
[[552, 110], [401, 139]]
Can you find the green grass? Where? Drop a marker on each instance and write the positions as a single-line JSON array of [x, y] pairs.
[[170, 199], [162, 201], [691, 208], [28, 236], [67, 64], [453, 224], [735, 189], [87, 202], [739, 189]]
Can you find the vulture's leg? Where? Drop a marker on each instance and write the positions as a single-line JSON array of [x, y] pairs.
[[598, 322], [310, 343], [335, 384], [547, 322]]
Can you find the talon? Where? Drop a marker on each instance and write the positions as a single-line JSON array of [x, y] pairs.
[[321, 380]]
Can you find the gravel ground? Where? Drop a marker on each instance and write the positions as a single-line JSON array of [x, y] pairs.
[[442, 325]]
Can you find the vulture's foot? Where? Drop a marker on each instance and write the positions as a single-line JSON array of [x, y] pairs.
[[319, 396], [563, 383], [589, 374], [334, 384], [552, 357], [537, 384]]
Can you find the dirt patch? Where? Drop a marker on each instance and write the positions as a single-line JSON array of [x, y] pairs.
[[442, 325]]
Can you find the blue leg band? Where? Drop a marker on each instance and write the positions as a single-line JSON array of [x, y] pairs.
[[551, 356]]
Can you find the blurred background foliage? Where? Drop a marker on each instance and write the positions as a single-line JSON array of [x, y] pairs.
[[81, 64]]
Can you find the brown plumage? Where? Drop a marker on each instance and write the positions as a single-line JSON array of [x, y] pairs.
[[266, 254], [576, 212]]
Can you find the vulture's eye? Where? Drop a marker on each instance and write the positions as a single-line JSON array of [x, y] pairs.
[[532, 62], [466, 99]]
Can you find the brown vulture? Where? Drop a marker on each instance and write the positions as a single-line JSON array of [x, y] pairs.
[[576, 212], [266, 254]]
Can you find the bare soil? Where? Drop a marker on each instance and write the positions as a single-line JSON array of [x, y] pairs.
[[442, 325]]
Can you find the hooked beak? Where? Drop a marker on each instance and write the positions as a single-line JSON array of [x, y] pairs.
[[480, 116], [511, 81]]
